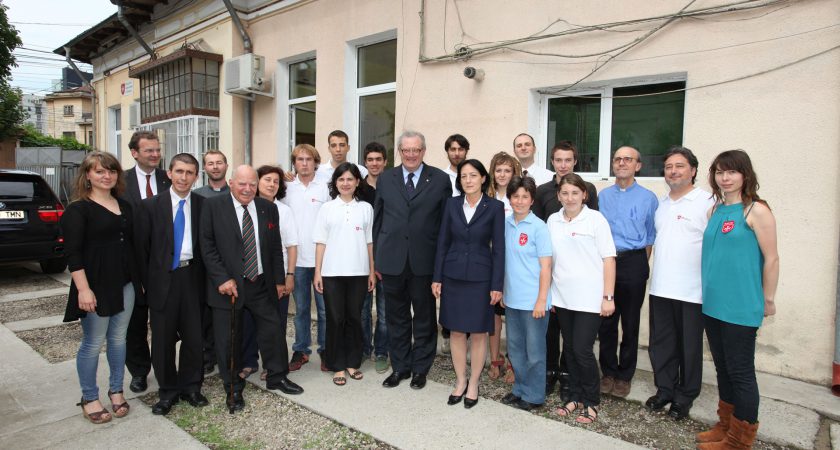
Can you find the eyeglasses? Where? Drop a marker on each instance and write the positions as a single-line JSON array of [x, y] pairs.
[[623, 159], [411, 151]]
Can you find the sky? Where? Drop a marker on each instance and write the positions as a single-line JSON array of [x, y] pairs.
[[45, 25]]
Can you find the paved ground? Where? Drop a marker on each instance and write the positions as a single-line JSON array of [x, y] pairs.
[[37, 403]]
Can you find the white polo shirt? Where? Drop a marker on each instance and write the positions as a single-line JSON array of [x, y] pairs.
[[345, 229], [288, 231], [578, 251], [502, 197], [305, 202], [540, 174], [325, 171], [678, 247]]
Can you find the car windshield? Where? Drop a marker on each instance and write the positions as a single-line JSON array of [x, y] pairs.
[[24, 188]]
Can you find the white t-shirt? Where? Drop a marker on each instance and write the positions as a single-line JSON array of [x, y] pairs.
[[346, 229], [578, 251], [452, 176], [305, 202], [288, 231], [539, 174], [325, 171], [500, 196], [678, 247]]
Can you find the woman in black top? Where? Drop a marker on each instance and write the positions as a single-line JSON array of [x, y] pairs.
[[97, 230]]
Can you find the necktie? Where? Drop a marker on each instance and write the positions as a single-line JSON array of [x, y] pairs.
[[248, 239], [178, 234], [149, 193], [409, 185]]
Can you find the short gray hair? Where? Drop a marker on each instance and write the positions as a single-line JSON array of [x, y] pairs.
[[412, 134]]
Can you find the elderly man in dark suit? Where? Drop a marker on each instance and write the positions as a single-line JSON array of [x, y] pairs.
[[173, 277], [144, 180], [243, 256], [407, 213]]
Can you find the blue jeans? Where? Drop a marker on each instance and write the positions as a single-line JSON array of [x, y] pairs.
[[95, 331], [303, 316], [380, 338], [526, 350]]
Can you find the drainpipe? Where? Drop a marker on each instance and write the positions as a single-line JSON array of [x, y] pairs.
[[92, 92], [246, 42], [132, 31], [835, 376]]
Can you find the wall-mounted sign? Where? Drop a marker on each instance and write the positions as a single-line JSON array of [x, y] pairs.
[[127, 88]]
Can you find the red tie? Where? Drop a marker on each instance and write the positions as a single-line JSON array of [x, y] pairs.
[[149, 193]]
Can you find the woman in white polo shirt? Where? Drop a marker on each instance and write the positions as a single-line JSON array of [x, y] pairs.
[[344, 270], [582, 285]]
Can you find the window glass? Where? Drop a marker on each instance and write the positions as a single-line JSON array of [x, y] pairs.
[[302, 79], [378, 64], [376, 122], [575, 119], [175, 87], [303, 123]]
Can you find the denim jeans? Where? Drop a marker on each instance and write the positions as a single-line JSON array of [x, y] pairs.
[[95, 331], [303, 316], [526, 350], [380, 336]]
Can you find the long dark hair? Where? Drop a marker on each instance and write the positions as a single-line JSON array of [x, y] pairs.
[[339, 171], [739, 161], [476, 164], [265, 170]]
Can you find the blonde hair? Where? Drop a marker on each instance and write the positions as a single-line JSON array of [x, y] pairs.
[[502, 158], [108, 162]]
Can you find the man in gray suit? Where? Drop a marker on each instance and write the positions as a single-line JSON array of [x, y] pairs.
[[407, 212]]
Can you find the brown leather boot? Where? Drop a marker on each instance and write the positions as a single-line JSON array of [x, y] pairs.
[[740, 436], [718, 431]]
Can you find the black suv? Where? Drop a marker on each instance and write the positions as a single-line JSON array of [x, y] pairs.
[[29, 221]]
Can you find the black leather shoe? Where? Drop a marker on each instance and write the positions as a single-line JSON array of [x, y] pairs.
[[550, 382], [195, 399], [565, 388], [163, 407], [455, 399], [235, 404], [138, 384], [510, 399], [656, 403], [525, 405], [679, 411], [469, 402], [418, 381], [285, 386], [394, 379]]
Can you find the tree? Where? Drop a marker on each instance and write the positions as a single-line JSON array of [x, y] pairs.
[[12, 113], [9, 40]]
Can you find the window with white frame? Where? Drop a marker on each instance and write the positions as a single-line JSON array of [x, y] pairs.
[[302, 102], [192, 134], [115, 131], [376, 95], [645, 114]]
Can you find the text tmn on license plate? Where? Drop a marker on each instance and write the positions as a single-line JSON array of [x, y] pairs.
[[12, 215]]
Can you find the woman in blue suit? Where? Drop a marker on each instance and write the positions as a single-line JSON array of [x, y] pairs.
[[469, 273]]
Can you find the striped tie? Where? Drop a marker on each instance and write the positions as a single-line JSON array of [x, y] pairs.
[[250, 270]]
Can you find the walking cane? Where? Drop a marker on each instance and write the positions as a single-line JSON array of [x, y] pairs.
[[233, 347]]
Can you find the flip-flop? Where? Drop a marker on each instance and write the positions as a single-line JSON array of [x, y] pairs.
[[339, 381], [357, 375]]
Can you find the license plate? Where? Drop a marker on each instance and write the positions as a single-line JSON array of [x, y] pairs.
[[13, 215]]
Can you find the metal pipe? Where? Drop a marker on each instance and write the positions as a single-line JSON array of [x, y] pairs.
[[85, 81], [132, 31], [246, 42]]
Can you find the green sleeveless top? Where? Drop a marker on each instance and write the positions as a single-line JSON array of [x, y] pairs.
[[732, 266]]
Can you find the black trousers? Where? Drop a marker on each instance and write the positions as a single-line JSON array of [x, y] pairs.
[[180, 317], [138, 357], [579, 330], [250, 349], [207, 333], [676, 348], [632, 271], [343, 300], [253, 297], [733, 350], [555, 358], [404, 293]]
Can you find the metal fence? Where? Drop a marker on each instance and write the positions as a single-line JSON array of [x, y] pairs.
[[57, 167]]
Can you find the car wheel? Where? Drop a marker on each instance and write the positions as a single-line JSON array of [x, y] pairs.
[[56, 265]]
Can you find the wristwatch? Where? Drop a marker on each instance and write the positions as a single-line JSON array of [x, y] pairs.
[[609, 298]]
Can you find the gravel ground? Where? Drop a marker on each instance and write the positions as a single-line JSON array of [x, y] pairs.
[[268, 421], [32, 309], [55, 344], [15, 279], [619, 418]]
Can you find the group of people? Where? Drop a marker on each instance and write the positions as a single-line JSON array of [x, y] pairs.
[[544, 249]]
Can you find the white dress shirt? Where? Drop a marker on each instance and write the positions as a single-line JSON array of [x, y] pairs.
[[539, 174], [469, 211], [186, 245], [141, 182], [452, 176], [252, 211]]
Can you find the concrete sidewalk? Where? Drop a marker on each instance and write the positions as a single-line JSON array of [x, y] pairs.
[[37, 403]]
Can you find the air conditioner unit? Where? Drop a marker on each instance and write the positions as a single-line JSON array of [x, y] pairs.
[[244, 74]]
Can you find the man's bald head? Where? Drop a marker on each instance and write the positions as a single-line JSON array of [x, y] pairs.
[[243, 184]]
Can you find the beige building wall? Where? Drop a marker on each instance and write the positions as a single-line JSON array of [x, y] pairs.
[[58, 123]]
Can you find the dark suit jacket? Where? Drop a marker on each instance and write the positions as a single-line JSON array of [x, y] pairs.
[[157, 247], [405, 228], [132, 189], [473, 251], [223, 250]]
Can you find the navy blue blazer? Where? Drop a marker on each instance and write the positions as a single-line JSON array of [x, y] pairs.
[[473, 251]]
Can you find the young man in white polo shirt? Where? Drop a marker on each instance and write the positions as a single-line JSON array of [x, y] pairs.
[[524, 148], [676, 321]]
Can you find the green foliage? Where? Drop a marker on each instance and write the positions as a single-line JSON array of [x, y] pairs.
[[9, 40], [12, 113], [32, 138]]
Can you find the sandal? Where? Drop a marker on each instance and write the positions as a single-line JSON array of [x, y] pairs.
[[494, 372], [510, 377], [247, 371], [586, 418], [565, 411], [356, 375], [97, 417], [339, 381], [124, 406]]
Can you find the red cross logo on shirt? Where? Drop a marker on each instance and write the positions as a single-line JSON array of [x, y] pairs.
[[728, 226], [523, 238]]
